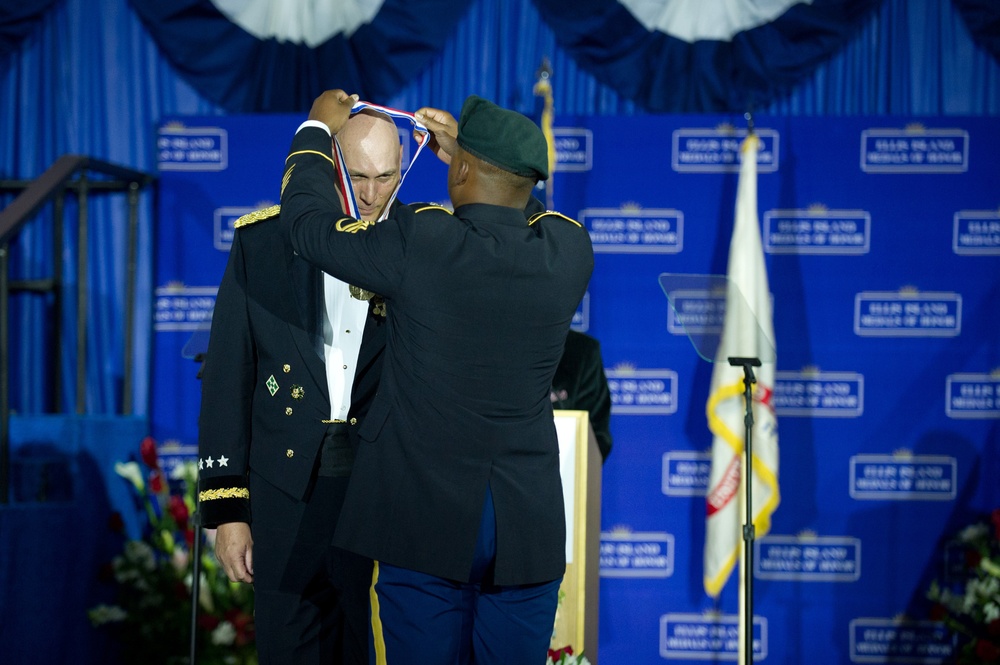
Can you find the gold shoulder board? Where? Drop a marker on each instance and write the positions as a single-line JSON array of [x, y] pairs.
[[538, 216], [269, 212]]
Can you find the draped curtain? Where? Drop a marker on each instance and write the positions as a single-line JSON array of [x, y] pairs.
[[17, 20], [94, 78]]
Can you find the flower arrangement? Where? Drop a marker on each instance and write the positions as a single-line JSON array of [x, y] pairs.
[[969, 603], [151, 617], [565, 656]]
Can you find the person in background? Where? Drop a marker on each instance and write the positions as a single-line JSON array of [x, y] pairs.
[[456, 491], [292, 366], [580, 384]]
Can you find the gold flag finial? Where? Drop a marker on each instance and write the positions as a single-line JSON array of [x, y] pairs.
[[543, 89]]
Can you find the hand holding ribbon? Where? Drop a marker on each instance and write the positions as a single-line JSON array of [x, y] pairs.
[[444, 131], [333, 108]]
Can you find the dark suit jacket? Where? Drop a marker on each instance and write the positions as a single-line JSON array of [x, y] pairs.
[[580, 384], [264, 390], [479, 303]]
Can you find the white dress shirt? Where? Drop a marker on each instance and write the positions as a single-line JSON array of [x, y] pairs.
[[343, 328]]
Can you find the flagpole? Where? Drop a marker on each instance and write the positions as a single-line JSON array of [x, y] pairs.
[[737, 463], [745, 631], [543, 89]]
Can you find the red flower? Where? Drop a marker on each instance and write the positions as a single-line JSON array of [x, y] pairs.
[[116, 523], [156, 482], [178, 510], [987, 651], [207, 621], [993, 628], [106, 573], [189, 538], [147, 449], [938, 612], [243, 623], [556, 654], [995, 518]]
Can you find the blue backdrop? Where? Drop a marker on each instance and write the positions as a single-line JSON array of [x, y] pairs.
[[883, 245], [96, 78]]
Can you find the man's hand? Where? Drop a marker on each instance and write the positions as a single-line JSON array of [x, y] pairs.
[[444, 131], [333, 108], [234, 550]]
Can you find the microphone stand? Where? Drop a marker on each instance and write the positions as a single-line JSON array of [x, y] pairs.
[[195, 578], [196, 551], [748, 528]]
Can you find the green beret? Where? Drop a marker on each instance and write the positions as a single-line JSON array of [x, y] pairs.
[[506, 139]]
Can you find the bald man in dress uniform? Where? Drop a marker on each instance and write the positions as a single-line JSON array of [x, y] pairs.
[[292, 366]]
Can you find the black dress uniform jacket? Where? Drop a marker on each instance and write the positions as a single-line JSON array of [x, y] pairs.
[[265, 401], [478, 305]]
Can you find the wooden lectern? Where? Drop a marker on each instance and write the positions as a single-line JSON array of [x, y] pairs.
[[580, 468]]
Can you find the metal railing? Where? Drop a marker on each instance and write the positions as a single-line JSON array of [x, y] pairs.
[[70, 173]]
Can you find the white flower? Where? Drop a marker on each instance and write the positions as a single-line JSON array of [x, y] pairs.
[[103, 614], [971, 600], [187, 471], [130, 471], [949, 600], [989, 587], [973, 533], [991, 611], [224, 634], [204, 593], [141, 554], [180, 559]]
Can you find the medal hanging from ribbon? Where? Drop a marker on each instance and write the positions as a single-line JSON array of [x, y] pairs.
[[344, 178], [347, 188]]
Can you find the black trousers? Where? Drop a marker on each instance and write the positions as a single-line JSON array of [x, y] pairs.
[[310, 598]]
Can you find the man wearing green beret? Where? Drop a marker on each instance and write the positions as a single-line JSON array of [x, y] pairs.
[[456, 492]]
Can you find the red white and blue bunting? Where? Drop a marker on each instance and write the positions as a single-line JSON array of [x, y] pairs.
[[665, 55], [258, 55], [696, 56], [17, 20]]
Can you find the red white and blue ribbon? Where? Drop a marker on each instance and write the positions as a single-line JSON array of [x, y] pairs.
[[344, 178]]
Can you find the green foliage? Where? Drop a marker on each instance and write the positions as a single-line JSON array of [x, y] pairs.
[[151, 615]]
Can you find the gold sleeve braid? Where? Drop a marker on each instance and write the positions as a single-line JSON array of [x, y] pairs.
[[224, 493], [351, 225]]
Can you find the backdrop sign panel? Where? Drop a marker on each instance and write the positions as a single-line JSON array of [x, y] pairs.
[[882, 242]]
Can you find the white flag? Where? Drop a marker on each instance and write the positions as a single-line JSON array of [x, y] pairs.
[[748, 331]]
